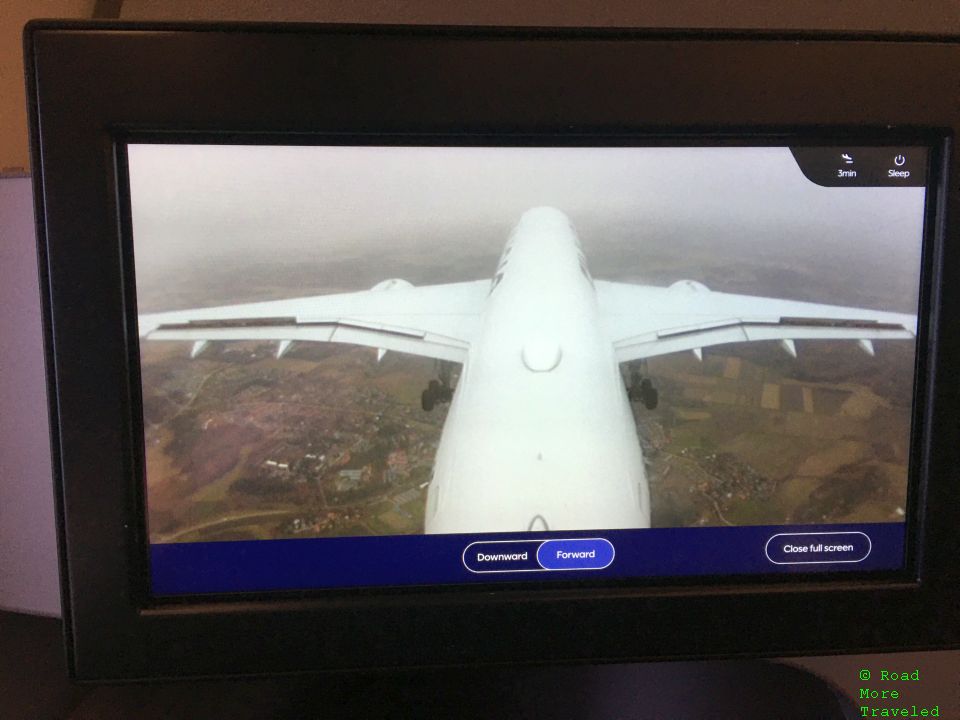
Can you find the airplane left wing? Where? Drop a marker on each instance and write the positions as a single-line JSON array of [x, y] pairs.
[[438, 321], [646, 321]]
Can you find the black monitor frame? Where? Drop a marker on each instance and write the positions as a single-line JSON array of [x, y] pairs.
[[93, 86]]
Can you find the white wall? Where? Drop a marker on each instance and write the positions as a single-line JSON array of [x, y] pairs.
[[900, 15], [28, 556], [28, 552]]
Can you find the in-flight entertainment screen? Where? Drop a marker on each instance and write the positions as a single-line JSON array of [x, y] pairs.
[[408, 365]]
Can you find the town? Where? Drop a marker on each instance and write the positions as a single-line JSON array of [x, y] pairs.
[[327, 441]]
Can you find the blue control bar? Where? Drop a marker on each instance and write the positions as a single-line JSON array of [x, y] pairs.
[[298, 564]]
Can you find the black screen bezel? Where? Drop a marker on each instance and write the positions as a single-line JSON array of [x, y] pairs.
[[212, 80]]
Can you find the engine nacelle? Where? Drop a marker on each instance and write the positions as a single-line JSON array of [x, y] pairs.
[[392, 284], [689, 286]]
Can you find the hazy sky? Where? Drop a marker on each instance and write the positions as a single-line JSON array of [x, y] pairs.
[[195, 204]]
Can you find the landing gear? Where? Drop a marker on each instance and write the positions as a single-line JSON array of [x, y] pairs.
[[427, 400], [641, 390], [438, 391]]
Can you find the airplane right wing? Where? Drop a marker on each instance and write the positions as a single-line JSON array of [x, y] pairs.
[[438, 321], [644, 321]]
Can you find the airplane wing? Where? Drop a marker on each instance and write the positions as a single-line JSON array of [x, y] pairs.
[[438, 321], [646, 321]]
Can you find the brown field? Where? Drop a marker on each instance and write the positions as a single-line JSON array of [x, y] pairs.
[[241, 445]]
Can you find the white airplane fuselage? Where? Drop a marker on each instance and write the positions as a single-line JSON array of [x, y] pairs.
[[540, 434]]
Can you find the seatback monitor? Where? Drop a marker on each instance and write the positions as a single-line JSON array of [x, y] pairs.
[[403, 347]]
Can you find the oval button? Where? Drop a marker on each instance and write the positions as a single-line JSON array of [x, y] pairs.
[[575, 554], [489, 556], [818, 548]]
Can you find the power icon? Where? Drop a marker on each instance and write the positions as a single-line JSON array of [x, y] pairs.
[[899, 160]]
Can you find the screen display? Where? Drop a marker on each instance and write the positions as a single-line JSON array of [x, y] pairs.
[[395, 365]]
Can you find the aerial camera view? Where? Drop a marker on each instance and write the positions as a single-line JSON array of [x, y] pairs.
[[341, 341]]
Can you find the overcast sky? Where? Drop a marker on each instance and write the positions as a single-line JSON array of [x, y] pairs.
[[193, 204]]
